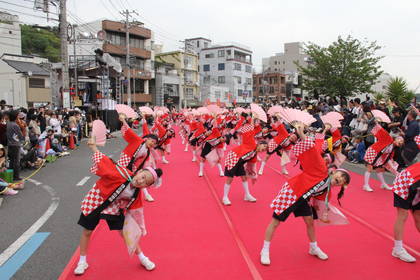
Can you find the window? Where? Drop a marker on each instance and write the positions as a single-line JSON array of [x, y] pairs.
[[221, 53], [221, 79], [209, 55], [228, 52], [189, 93], [221, 66], [206, 67], [237, 66], [206, 44], [206, 79], [248, 81], [198, 44], [239, 92], [248, 69], [239, 80], [217, 94], [36, 83], [275, 62], [187, 61]]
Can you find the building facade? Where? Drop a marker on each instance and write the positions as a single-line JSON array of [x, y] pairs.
[[110, 36], [167, 85], [10, 34], [223, 66], [186, 65], [285, 62], [269, 87]]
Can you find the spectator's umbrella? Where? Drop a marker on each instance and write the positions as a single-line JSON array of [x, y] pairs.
[[381, 116], [258, 112], [146, 110], [99, 132], [126, 110]]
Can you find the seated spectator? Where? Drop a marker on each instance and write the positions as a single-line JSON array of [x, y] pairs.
[[357, 154]]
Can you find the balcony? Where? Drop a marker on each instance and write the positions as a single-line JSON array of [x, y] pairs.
[[120, 27], [139, 74], [120, 50]]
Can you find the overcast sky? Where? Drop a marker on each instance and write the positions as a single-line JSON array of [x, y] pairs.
[[265, 25]]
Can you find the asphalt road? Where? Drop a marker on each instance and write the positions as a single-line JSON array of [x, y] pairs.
[[19, 212]]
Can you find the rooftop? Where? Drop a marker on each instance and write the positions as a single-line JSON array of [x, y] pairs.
[[27, 67]]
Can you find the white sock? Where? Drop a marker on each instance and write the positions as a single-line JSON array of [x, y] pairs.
[[82, 259], [141, 256], [381, 178], [283, 168], [367, 176], [266, 246], [226, 190], [220, 167], [313, 245], [263, 163], [163, 158], [201, 166], [145, 192], [246, 188], [193, 153], [398, 244]]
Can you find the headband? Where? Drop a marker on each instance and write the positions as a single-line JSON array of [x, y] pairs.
[[156, 180], [342, 170]]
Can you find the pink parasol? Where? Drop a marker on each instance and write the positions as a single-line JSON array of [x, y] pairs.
[[214, 109], [291, 115], [259, 112], [239, 110], [203, 111], [99, 132], [381, 116], [274, 110], [331, 119], [146, 110], [126, 110]]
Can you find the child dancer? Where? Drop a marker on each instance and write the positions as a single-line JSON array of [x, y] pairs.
[[294, 195]]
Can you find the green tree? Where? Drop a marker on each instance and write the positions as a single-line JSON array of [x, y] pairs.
[[398, 92], [44, 42], [346, 67]]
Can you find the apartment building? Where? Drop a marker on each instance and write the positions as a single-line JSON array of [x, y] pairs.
[[225, 71], [186, 65], [269, 87], [285, 62], [110, 36]]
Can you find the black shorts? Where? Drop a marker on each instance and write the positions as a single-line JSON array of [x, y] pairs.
[[300, 209], [206, 150], [115, 222], [237, 171], [406, 204]]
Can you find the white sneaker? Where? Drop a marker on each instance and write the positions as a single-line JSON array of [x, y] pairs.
[[222, 174], [250, 198], [367, 188], [226, 201], [284, 171], [318, 252], [265, 257], [149, 198], [386, 187], [165, 161], [194, 159], [260, 172], [81, 268], [200, 174], [148, 264], [10, 191], [186, 150], [403, 255]]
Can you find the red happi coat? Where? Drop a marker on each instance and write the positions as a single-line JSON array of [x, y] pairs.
[[405, 179], [134, 143], [282, 139], [308, 152], [214, 138], [246, 151], [110, 179], [381, 151]]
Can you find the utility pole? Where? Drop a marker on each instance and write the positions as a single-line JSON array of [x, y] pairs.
[[64, 50], [75, 60]]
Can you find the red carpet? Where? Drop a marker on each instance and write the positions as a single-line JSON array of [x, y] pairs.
[[192, 236]]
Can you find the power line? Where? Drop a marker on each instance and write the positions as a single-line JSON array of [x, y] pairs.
[[22, 6], [110, 12], [26, 14]]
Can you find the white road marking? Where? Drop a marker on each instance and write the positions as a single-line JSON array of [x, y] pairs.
[[1, 201], [83, 181], [35, 182], [15, 246]]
